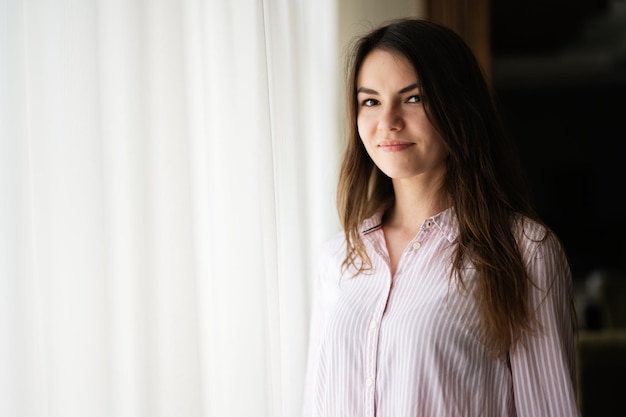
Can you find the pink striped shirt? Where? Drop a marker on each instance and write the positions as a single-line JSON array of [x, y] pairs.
[[411, 346]]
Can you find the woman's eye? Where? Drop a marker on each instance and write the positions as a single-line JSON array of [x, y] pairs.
[[414, 99], [369, 102]]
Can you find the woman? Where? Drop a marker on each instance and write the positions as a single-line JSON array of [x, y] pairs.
[[445, 294]]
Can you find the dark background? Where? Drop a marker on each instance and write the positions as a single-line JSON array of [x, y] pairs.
[[559, 72]]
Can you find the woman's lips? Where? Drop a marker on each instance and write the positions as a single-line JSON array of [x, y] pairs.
[[394, 145]]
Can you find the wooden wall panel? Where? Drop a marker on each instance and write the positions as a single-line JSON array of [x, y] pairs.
[[469, 18]]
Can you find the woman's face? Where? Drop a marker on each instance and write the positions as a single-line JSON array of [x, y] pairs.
[[392, 122]]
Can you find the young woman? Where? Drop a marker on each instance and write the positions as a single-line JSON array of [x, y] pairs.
[[445, 294]]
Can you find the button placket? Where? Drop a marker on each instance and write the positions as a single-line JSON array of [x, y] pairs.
[[371, 349], [424, 230]]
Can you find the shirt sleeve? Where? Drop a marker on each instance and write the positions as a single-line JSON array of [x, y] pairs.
[[324, 293], [315, 324], [543, 361]]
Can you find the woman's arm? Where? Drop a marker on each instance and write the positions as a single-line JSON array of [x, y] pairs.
[[543, 362]]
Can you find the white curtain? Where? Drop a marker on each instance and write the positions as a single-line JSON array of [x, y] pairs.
[[167, 172]]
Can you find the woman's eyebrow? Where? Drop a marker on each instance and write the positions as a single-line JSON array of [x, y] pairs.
[[409, 88], [366, 90], [406, 89]]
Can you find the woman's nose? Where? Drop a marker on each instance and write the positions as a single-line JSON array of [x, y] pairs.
[[391, 119]]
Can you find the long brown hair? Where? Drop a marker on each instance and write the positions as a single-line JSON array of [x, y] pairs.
[[484, 179]]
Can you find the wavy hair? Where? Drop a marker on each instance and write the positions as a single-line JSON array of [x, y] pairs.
[[484, 179]]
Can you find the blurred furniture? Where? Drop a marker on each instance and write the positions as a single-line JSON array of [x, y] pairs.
[[601, 350], [602, 372]]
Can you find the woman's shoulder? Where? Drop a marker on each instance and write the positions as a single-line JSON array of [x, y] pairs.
[[331, 249], [328, 267], [536, 239], [334, 243], [528, 229], [546, 261]]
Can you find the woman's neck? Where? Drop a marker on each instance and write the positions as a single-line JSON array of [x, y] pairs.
[[413, 204]]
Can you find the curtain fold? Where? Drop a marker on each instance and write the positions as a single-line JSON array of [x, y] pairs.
[[167, 174]]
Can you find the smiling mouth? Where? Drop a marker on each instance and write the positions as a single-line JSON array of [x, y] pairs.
[[395, 146]]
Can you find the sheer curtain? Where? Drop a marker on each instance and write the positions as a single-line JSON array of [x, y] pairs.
[[167, 173]]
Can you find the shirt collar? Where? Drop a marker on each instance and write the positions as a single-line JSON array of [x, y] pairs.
[[373, 223], [446, 221]]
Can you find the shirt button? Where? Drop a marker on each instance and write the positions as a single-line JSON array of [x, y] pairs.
[[373, 324], [416, 245], [369, 382], [429, 223]]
